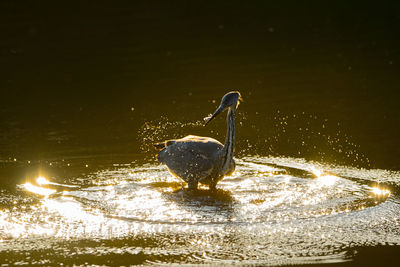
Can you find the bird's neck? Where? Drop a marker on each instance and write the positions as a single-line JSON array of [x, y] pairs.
[[227, 151]]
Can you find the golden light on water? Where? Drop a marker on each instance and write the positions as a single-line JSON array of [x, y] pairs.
[[38, 190], [327, 180], [316, 171], [323, 179], [42, 181], [149, 202], [70, 218], [380, 192]]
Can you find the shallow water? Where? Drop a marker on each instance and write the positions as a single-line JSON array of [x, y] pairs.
[[271, 211]]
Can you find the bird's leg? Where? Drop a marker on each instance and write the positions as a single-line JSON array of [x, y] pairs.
[[213, 186], [192, 184]]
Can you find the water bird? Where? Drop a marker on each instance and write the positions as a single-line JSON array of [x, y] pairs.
[[204, 160]]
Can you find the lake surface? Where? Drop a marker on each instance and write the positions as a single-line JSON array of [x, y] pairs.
[[86, 89]]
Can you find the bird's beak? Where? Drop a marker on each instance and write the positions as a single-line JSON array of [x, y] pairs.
[[241, 99], [208, 119]]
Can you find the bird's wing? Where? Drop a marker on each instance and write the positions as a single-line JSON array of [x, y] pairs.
[[191, 157]]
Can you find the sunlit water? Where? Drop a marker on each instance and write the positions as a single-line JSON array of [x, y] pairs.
[[270, 211]]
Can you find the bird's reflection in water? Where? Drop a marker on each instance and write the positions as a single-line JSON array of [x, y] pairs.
[[218, 196], [206, 206]]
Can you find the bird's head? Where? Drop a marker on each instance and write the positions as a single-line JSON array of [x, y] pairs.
[[230, 100]]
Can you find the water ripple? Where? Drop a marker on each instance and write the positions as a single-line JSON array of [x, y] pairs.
[[271, 210]]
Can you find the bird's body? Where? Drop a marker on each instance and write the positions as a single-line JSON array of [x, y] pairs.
[[195, 159], [202, 159]]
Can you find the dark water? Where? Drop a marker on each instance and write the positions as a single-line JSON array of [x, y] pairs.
[[87, 87]]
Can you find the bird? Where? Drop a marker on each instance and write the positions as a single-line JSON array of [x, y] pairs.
[[204, 160]]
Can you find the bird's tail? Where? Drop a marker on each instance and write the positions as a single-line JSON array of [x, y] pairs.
[[159, 146], [162, 145]]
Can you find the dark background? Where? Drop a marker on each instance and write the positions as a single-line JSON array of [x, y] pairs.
[[320, 79]]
